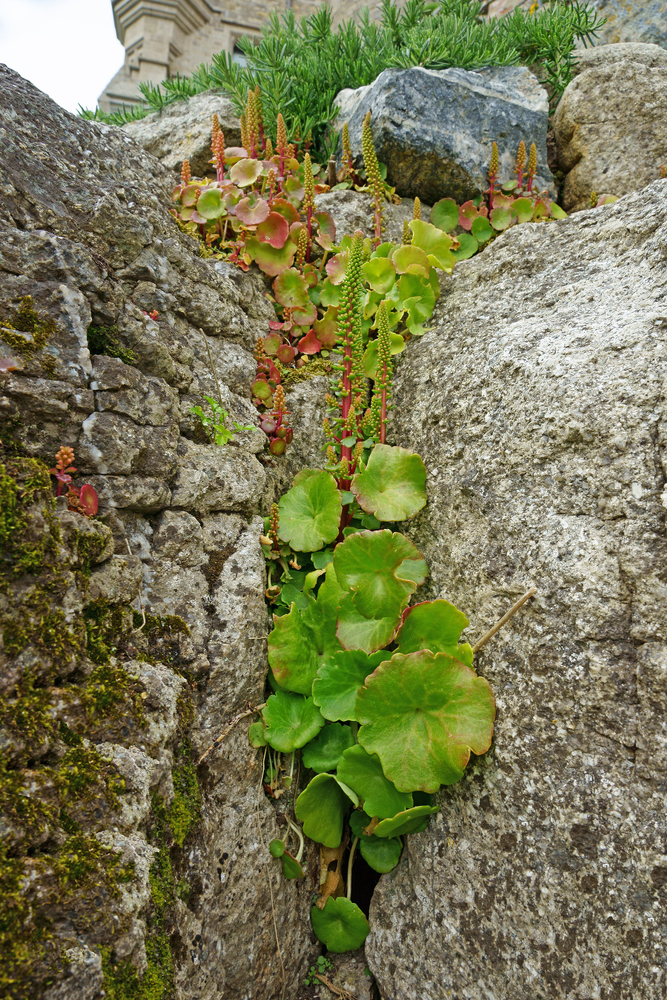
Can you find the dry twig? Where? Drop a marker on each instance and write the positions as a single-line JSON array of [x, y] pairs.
[[237, 718], [512, 611]]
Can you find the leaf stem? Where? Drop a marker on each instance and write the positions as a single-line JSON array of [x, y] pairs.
[[349, 867], [297, 831]]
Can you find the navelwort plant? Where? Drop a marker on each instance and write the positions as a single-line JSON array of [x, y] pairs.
[[381, 698]]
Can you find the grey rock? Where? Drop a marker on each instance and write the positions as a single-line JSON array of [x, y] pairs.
[[352, 210], [140, 493], [434, 128], [632, 21], [212, 478], [537, 402], [609, 126], [117, 580], [183, 131], [85, 231]]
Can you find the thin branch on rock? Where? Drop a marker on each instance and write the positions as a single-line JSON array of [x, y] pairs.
[[512, 611]]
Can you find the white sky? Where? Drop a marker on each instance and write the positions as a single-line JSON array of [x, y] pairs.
[[67, 48]]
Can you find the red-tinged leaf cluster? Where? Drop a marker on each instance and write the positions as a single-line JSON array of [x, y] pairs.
[[82, 499]]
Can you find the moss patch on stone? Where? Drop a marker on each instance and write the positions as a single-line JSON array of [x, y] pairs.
[[26, 320], [104, 340]]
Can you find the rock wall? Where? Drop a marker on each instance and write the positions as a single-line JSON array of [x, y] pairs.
[[131, 873], [538, 403]]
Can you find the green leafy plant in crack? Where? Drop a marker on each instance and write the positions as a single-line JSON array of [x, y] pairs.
[[216, 424], [381, 697]]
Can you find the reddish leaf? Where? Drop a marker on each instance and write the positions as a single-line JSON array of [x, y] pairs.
[[8, 365], [309, 344], [286, 209], [274, 230], [234, 153], [190, 195], [89, 499], [252, 210], [305, 316], [277, 447], [286, 354]]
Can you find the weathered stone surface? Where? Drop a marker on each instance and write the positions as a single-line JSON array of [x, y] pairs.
[[538, 403], [352, 210], [144, 630], [632, 21], [182, 131], [609, 126], [434, 128]]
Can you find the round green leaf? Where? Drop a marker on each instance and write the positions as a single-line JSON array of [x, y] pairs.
[[340, 678], [435, 244], [321, 808], [292, 652], [481, 229], [329, 294], [382, 568], [524, 209], [325, 751], [380, 274], [434, 625], [411, 821], [368, 633], [501, 218], [558, 213], [336, 268], [363, 772], [245, 172], [291, 289], [291, 721], [423, 713], [210, 204], [469, 247], [445, 214], [411, 259], [380, 853], [340, 926], [393, 484], [302, 640], [310, 511], [326, 328]]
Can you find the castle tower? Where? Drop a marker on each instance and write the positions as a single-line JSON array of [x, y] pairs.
[[163, 38]]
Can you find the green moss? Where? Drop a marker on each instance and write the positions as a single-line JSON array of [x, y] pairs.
[[293, 376], [104, 340], [122, 982], [81, 770], [161, 878], [83, 858], [186, 806], [23, 934], [37, 623], [22, 482], [24, 320]]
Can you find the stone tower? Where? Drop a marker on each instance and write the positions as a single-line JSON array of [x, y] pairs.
[[163, 38]]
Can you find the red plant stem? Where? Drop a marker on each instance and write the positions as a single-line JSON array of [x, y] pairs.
[[492, 180], [520, 177]]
